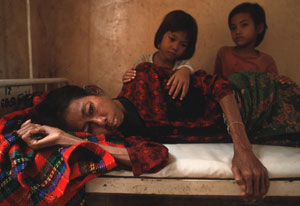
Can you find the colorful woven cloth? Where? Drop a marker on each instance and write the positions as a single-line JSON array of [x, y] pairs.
[[48, 176]]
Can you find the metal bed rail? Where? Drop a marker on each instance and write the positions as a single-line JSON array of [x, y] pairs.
[[34, 81]]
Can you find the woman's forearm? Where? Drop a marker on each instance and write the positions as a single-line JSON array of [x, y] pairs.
[[249, 173], [119, 153], [54, 136], [235, 123]]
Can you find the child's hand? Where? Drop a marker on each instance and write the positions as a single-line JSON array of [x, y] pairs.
[[129, 75], [285, 80], [180, 80]]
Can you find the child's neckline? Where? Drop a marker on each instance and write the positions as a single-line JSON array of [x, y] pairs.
[[245, 55], [169, 66]]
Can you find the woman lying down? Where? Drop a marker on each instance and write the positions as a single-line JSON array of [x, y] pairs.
[[253, 108]]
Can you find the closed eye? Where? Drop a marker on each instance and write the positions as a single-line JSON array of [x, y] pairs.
[[89, 128], [91, 109]]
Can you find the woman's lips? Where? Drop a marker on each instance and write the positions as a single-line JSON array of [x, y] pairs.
[[113, 124]]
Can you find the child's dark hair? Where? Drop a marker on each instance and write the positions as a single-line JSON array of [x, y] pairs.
[[179, 20], [256, 12]]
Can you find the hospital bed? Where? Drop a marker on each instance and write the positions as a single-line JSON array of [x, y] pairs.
[[194, 170]]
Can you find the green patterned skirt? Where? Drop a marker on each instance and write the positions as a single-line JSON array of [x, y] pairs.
[[269, 109]]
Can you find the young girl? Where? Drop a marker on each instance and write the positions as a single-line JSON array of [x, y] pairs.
[[175, 42], [247, 23]]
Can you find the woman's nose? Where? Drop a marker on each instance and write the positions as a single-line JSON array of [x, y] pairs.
[[100, 120]]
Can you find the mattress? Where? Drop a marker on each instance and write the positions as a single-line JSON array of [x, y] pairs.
[[214, 161]]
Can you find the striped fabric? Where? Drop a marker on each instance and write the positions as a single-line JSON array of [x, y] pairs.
[[48, 176]]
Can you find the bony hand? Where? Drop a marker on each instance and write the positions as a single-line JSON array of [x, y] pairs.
[[250, 175], [37, 136], [180, 80], [129, 75]]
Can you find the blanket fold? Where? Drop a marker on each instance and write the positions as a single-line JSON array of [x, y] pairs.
[[48, 176]]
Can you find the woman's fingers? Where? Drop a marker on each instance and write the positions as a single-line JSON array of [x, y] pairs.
[[257, 187], [27, 122], [264, 183], [28, 131], [28, 126], [47, 136], [238, 178], [251, 175]]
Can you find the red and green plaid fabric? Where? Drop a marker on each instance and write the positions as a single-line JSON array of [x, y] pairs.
[[57, 175], [48, 176]]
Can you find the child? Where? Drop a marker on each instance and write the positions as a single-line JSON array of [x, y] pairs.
[[247, 23], [175, 41]]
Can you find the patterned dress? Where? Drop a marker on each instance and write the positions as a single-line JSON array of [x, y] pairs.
[[198, 118], [270, 110]]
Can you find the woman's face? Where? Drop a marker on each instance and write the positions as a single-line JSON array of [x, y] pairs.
[[94, 114]]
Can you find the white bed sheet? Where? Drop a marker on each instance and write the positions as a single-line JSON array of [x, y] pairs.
[[214, 161]]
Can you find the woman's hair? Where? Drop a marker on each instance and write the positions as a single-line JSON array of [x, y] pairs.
[[51, 110], [179, 20], [256, 12]]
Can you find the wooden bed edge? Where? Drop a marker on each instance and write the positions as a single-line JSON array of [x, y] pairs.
[[168, 186]]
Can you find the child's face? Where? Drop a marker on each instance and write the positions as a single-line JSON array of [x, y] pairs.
[[173, 45], [243, 30]]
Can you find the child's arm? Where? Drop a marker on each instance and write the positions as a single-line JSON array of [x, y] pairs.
[[180, 80], [184, 63]]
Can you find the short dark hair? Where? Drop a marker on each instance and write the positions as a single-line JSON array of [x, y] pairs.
[[256, 12], [51, 111], [179, 20]]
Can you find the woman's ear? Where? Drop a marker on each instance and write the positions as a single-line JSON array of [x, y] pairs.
[[260, 28], [94, 90]]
